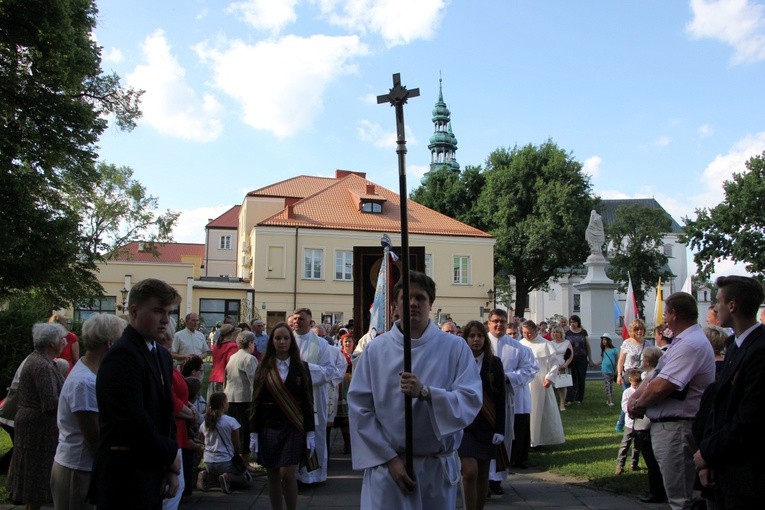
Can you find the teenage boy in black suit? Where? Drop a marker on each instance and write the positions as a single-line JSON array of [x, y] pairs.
[[136, 463], [730, 455]]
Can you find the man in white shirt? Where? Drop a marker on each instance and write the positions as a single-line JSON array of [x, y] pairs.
[[446, 387], [190, 341]]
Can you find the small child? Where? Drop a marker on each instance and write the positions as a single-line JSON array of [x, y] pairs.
[[641, 431], [609, 355], [221, 436], [633, 376]]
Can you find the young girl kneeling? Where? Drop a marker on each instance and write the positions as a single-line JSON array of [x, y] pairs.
[[220, 433]]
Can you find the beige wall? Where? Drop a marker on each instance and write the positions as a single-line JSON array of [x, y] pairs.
[[281, 291], [221, 261]]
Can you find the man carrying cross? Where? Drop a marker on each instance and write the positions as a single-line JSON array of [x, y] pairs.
[[446, 385]]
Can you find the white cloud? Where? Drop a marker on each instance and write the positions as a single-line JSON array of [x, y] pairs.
[[269, 15], [591, 166], [191, 223], [280, 84], [397, 21], [662, 141], [705, 130], [739, 23], [170, 105], [113, 55], [724, 165], [375, 134]]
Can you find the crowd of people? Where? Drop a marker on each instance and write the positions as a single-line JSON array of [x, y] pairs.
[[126, 425]]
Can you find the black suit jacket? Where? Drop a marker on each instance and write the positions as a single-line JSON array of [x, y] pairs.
[[269, 414], [732, 444], [493, 381], [137, 430]]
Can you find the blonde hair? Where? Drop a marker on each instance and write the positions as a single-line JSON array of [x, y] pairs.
[[717, 337], [635, 325]]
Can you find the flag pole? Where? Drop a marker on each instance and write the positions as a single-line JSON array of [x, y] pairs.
[[397, 97]]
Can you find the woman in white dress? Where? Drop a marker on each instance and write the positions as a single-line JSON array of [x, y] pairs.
[[564, 355], [546, 426]]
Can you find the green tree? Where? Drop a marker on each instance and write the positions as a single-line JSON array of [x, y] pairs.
[[116, 210], [735, 228], [451, 193], [536, 202], [635, 240], [54, 101]]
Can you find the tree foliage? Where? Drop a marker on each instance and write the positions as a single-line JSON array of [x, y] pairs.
[[735, 228], [54, 101], [635, 240], [117, 210], [534, 200]]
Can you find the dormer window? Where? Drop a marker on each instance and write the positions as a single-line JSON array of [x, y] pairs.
[[371, 207]]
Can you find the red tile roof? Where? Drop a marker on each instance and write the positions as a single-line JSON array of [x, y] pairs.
[[229, 219], [168, 253], [336, 206], [296, 187]]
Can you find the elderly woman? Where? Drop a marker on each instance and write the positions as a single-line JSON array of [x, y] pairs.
[[36, 433], [240, 376], [78, 415], [71, 351], [223, 348]]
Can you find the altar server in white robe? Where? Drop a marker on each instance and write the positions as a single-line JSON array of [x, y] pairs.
[[546, 425], [315, 351], [447, 395]]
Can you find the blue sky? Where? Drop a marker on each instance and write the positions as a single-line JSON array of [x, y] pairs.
[[655, 98]]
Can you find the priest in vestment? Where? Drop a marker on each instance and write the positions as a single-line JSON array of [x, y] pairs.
[[546, 426], [447, 395]]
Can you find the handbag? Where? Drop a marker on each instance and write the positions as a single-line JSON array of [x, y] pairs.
[[562, 380], [309, 462]]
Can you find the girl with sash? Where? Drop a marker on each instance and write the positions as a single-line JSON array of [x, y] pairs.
[[483, 439], [281, 420]]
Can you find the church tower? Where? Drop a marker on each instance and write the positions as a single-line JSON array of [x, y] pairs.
[[443, 143]]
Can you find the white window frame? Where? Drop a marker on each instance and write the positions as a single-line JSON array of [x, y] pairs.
[[225, 242], [429, 264], [316, 269], [342, 259], [463, 277]]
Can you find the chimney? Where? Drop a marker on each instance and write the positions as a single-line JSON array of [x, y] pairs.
[[371, 189], [290, 211]]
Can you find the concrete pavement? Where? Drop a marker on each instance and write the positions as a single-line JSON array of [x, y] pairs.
[[527, 489]]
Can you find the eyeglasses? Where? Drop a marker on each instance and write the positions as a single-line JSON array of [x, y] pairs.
[[498, 321]]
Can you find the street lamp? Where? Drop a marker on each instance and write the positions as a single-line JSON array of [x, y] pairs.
[[491, 295], [124, 293]]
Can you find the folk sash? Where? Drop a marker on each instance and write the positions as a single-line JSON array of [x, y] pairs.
[[284, 399], [489, 411]]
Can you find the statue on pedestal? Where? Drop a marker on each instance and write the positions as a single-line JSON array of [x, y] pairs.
[[595, 235]]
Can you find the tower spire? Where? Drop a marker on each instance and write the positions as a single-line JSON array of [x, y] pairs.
[[443, 143]]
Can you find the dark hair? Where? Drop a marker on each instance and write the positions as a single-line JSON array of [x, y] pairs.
[[633, 374], [149, 288], [190, 365], [214, 410], [306, 311], [529, 324], [268, 362], [244, 325], [609, 344], [746, 291], [499, 312], [195, 386], [421, 279], [576, 319], [683, 305]]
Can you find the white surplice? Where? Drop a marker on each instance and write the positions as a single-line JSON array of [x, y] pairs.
[[445, 365], [546, 426], [315, 351]]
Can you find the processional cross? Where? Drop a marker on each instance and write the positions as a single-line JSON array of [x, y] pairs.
[[397, 97]]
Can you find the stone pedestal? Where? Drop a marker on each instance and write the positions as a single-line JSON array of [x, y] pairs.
[[597, 303]]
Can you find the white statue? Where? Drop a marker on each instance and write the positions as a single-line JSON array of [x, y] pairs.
[[595, 235]]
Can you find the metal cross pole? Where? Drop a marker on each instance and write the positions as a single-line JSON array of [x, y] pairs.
[[397, 97]]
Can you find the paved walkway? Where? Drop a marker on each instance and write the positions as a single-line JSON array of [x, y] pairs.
[[528, 489]]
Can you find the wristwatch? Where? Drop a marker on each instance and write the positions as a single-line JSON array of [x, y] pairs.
[[424, 393]]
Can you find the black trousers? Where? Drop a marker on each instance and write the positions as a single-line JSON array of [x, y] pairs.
[[578, 375], [655, 482], [519, 453]]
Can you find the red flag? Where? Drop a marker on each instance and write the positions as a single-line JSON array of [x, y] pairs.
[[630, 309]]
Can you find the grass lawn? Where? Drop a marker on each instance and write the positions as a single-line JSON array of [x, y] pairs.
[[589, 452]]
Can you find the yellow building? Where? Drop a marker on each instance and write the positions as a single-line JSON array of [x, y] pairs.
[[291, 245]]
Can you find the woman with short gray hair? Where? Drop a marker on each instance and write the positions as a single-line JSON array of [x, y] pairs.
[[78, 415], [36, 433], [240, 376]]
